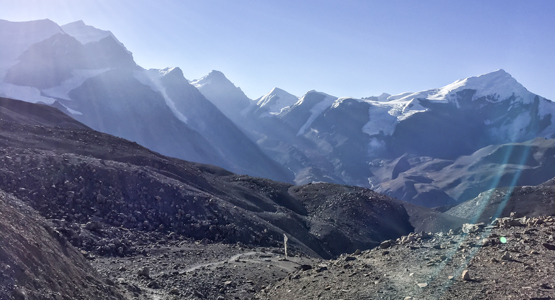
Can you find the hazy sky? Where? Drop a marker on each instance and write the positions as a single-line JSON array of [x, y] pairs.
[[344, 47]]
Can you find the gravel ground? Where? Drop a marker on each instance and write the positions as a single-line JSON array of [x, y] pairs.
[[195, 271], [508, 261]]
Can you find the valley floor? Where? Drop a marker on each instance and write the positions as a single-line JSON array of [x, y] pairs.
[[185, 270], [511, 260]]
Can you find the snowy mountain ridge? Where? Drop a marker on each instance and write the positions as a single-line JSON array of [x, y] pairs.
[[497, 86], [493, 87]]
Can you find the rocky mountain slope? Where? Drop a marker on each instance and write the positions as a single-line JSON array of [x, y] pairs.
[[435, 182], [530, 201], [36, 262]]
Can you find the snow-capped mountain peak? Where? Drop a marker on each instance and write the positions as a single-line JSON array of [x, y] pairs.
[[495, 86], [84, 33], [276, 100], [382, 98], [214, 77], [227, 97]]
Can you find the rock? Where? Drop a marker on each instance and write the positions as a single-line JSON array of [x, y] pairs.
[[506, 256], [426, 235], [508, 222], [471, 228], [385, 244], [199, 294], [408, 238], [350, 258], [548, 246], [546, 286], [144, 272], [93, 226], [174, 291], [321, 269], [153, 284], [357, 252], [422, 285], [465, 275], [305, 267]]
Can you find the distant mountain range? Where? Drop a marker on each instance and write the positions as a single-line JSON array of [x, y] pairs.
[[90, 75], [434, 148]]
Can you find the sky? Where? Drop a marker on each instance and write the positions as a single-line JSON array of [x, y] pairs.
[[346, 48]]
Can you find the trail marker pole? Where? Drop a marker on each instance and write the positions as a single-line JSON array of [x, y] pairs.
[[285, 244]]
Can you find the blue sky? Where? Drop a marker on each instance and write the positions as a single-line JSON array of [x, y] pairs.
[[344, 48]]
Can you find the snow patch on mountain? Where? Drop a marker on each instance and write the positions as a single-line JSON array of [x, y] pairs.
[[546, 107], [316, 110], [79, 76], [205, 80], [511, 131], [71, 111], [385, 115], [152, 78], [276, 100], [381, 120], [24, 93]]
